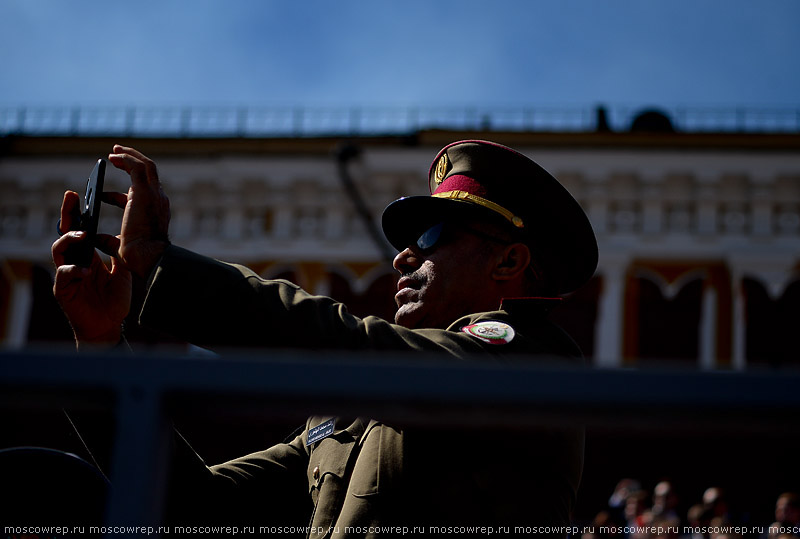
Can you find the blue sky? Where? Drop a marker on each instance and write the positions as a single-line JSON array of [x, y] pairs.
[[401, 53]]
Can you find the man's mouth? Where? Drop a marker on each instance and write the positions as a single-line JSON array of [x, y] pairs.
[[406, 287], [407, 281]]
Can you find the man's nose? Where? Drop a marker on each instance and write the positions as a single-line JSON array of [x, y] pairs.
[[406, 261]]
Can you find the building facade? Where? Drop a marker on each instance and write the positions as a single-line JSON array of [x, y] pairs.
[[699, 234]]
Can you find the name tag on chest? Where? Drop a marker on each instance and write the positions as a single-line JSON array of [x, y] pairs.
[[323, 430]]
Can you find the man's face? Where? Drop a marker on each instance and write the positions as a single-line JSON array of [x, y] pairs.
[[441, 284], [786, 511]]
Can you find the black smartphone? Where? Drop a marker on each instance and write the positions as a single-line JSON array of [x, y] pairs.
[[81, 253]]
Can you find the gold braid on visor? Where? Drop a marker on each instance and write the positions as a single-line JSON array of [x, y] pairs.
[[463, 195]]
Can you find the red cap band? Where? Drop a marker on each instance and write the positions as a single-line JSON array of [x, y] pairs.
[[458, 182]]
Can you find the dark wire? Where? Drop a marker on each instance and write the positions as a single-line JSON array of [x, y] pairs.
[[344, 154], [85, 446]]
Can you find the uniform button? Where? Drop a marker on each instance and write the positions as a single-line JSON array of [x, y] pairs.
[[316, 472]]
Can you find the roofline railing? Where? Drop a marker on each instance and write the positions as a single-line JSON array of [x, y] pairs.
[[255, 121]]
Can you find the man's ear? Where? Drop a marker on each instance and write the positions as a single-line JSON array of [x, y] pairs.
[[511, 262]]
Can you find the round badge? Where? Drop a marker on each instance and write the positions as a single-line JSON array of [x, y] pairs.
[[491, 331], [441, 169]]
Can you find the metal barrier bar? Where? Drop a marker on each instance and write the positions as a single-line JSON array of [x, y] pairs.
[[412, 389]]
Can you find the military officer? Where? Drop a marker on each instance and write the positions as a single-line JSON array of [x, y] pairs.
[[482, 260]]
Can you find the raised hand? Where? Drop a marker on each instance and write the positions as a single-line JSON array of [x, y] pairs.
[[145, 223], [95, 299], [98, 298]]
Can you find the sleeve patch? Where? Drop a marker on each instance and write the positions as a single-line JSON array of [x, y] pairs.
[[491, 331]]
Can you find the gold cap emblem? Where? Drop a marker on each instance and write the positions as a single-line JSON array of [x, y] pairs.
[[441, 169]]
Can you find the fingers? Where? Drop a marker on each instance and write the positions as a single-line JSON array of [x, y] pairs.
[[108, 244], [105, 242], [134, 167], [63, 243], [115, 199], [70, 212], [141, 169], [66, 275], [118, 148]]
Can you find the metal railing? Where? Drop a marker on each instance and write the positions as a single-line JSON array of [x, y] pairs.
[[414, 390], [219, 121]]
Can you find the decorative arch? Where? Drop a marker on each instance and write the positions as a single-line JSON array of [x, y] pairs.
[[678, 310], [771, 322]]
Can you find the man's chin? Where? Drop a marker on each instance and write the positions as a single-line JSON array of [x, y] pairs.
[[406, 316]]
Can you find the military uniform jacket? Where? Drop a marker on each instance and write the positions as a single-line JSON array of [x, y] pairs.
[[366, 476]]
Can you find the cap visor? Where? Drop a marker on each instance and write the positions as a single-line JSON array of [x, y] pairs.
[[404, 220]]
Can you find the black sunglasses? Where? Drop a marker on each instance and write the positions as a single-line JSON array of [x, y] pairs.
[[434, 236], [428, 239]]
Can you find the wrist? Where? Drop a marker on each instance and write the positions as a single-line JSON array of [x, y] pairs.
[[101, 341], [142, 258]]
